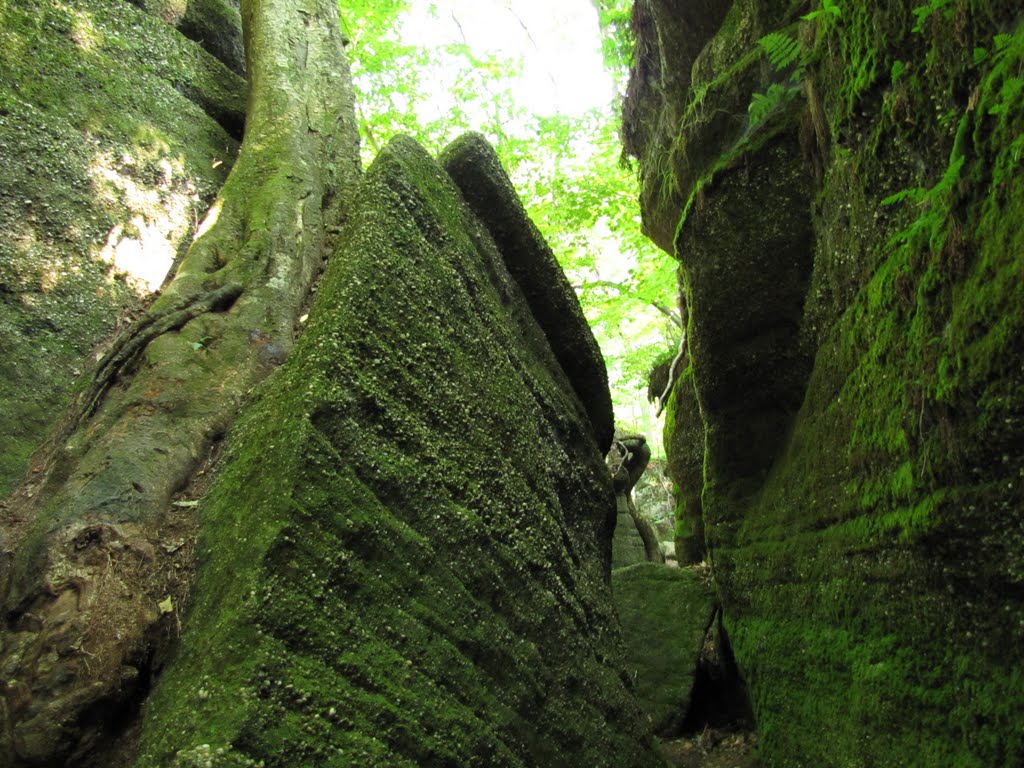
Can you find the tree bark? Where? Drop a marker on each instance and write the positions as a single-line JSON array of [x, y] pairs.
[[95, 555]]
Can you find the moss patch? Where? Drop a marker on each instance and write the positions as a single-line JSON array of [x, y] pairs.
[[665, 614], [105, 159], [872, 575], [405, 552]]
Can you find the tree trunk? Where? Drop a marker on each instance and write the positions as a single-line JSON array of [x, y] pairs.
[[96, 554]]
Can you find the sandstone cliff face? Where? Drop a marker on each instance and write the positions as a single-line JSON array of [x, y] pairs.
[[407, 549], [844, 200], [115, 134]]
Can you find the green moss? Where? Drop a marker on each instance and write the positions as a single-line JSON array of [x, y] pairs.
[[665, 614], [872, 525], [100, 148], [871, 578], [403, 557], [684, 443]]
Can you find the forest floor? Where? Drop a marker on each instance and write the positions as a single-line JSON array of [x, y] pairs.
[[712, 749]]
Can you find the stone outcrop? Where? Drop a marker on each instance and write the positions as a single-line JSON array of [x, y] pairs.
[[405, 556], [214, 24], [116, 132], [666, 614], [849, 227], [635, 540], [533, 266], [684, 430]]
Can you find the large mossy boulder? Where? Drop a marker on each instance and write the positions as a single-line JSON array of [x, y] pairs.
[[216, 25], [665, 614], [116, 132], [850, 235], [404, 559]]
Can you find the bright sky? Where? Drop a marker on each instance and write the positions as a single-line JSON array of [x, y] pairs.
[[557, 41]]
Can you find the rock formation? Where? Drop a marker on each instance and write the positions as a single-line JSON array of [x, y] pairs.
[[405, 555], [635, 539], [665, 614], [841, 191], [405, 558]]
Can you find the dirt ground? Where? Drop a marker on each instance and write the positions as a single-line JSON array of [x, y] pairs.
[[712, 749]]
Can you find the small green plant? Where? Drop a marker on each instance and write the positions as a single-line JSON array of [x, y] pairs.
[[763, 104], [201, 344], [783, 52], [828, 8], [934, 204], [781, 49], [923, 12]]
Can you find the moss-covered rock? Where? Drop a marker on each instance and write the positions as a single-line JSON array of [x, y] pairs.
[[635, 540], [627, 544], [665, 614], [216, 25], [112, 132], [404, 558], [684, 444], [475, 168], [867, 540]]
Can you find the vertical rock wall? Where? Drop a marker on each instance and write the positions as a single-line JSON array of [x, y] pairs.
[[115, 134], [846, 209], [405, 556]]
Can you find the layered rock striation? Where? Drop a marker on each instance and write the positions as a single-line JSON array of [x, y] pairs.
[[838, 182], [405, 557]]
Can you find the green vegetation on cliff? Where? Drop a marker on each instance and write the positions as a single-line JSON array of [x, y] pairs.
[[111, 150], [866, 537]]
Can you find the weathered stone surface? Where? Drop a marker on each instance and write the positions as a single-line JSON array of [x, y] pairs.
[[116, 133], [684, 444], [405, 555], [216, 25], [475, 168], [635, 540], [85, 576], [747, 269], [665, 614], [627, 544], [851, 260], [670, 35]]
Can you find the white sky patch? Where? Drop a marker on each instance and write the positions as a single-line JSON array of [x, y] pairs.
[[556, 40]]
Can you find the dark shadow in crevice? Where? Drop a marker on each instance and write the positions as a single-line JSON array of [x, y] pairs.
[[720, 699]]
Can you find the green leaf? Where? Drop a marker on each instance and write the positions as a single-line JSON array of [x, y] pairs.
[[781, 49], [914, 194]]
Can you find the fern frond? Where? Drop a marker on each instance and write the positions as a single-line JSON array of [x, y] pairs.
[[781, 49]]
